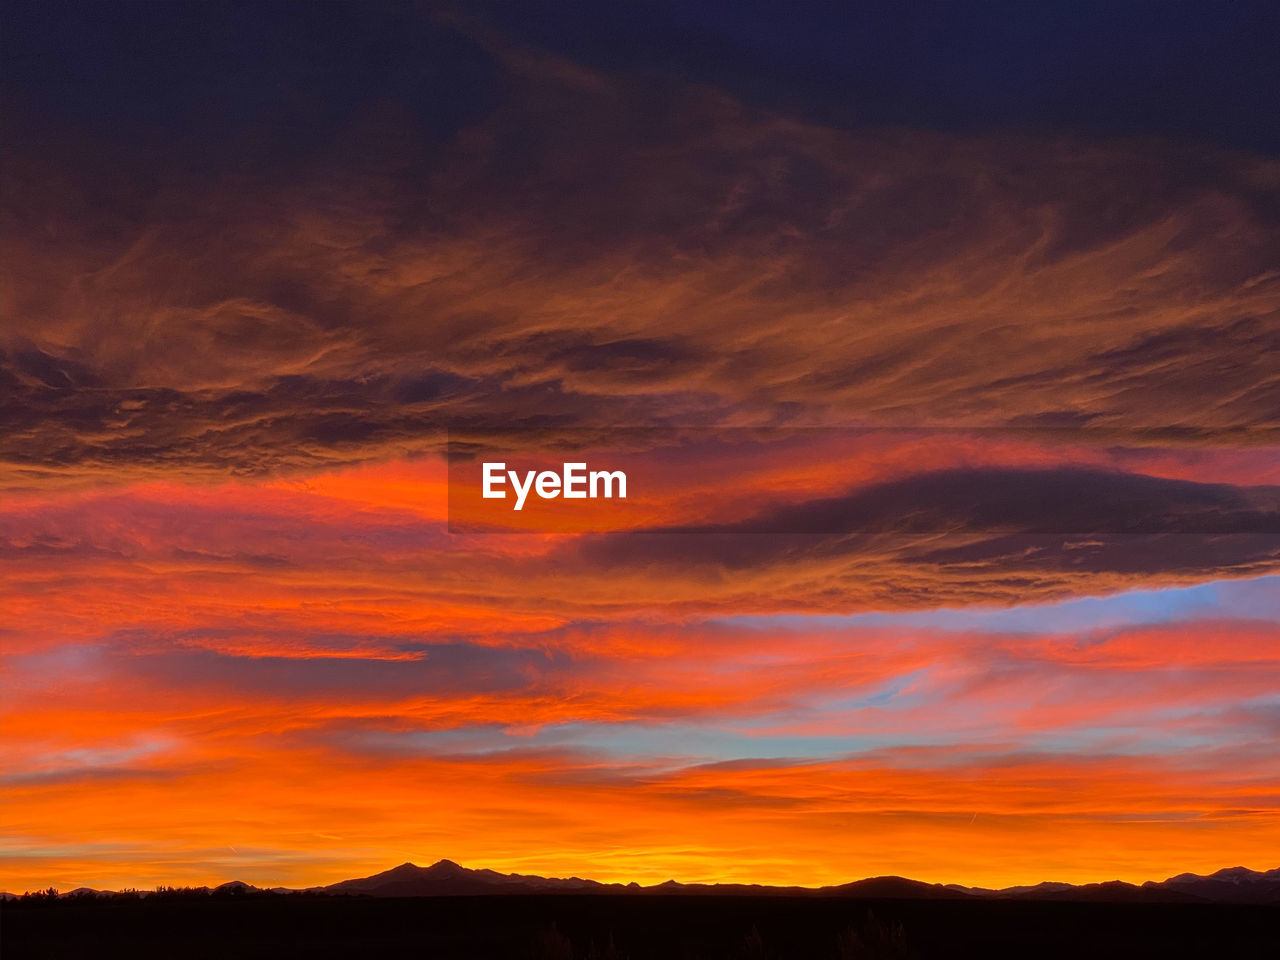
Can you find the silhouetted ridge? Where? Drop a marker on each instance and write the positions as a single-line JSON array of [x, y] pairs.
[[446, 878], [1228, 885]]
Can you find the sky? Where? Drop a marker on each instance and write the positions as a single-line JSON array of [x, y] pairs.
[[941, 345]]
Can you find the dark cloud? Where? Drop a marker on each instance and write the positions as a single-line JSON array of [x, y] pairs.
[[442, 669], [1024, 501], [594, 250], [956, 537]]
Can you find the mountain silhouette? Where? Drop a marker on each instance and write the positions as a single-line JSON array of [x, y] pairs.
[[897, 888], [1230, 885], [445, 878]]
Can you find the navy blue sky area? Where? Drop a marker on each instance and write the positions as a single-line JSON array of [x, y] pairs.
[[240, 82]]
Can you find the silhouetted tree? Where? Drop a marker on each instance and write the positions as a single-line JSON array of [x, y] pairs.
[[874, 940], [551, 944], [753, 945], [610, 951]]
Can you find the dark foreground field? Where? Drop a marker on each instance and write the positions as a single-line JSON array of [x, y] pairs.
[[639, 927]]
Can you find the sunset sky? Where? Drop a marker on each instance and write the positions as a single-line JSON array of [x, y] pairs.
[[941, 344]]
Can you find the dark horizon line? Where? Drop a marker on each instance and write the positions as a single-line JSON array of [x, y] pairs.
[[446, 870]]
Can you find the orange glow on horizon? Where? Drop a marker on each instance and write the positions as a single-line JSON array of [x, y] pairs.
[[308, 681]]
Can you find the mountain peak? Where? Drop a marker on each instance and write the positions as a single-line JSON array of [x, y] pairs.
[[1226, 875], [403, 871], [1235, 874]]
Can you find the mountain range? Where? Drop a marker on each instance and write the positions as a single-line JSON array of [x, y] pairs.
[[447, 879]]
